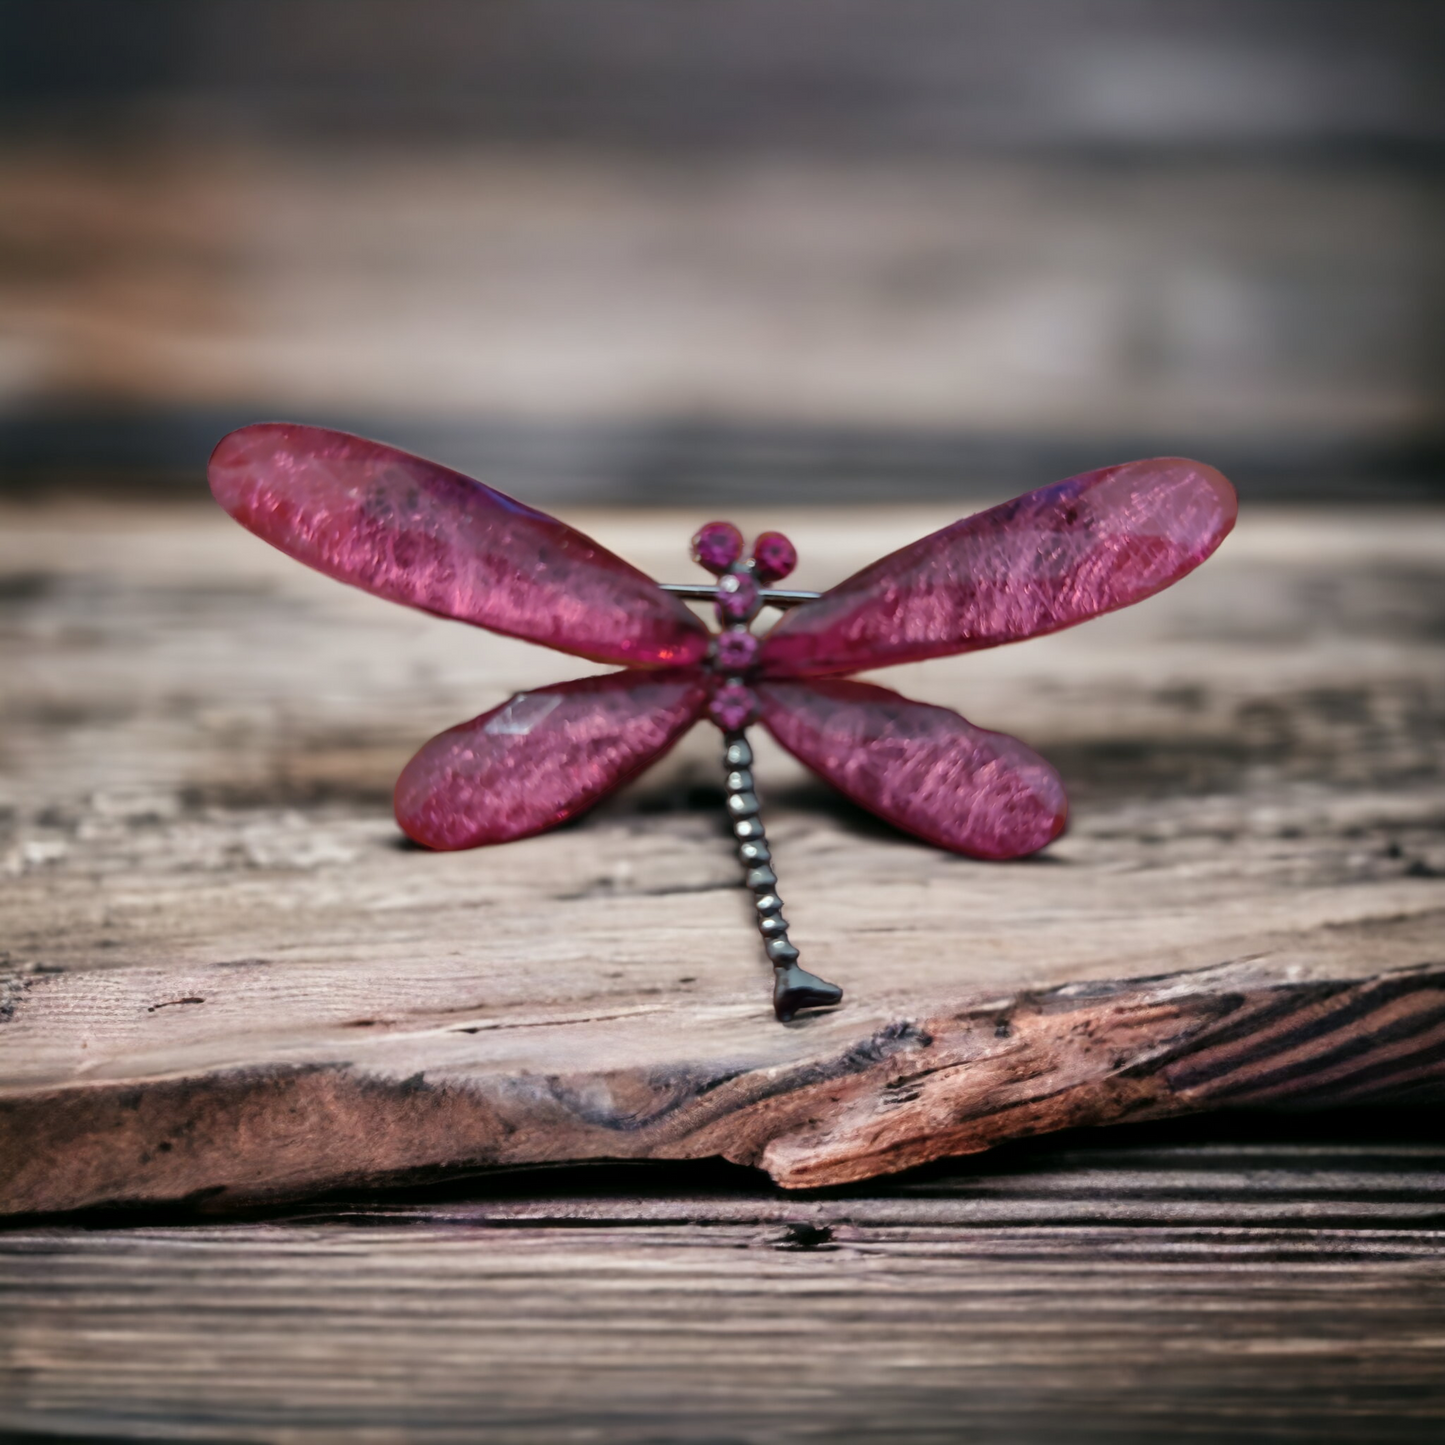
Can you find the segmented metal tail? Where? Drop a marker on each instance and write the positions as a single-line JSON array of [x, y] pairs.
[[794, 987]]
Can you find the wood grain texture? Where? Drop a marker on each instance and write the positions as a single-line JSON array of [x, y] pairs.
[[1216, 1286], [228, 982]]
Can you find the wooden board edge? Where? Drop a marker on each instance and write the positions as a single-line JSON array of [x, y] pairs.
[[953, 1082]]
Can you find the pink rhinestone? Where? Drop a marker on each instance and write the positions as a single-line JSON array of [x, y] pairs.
[[774, 556], [736, 651], [717, 546], [733, 707], [737, 597]]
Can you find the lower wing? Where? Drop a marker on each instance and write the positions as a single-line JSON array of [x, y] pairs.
[[544, 756], [922, 768]]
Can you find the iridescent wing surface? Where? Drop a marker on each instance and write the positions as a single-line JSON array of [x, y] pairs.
[[544, 756], [418, 533], [922, 768], [1044, 561]]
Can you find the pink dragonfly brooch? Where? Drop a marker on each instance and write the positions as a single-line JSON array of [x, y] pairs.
[[418, 533]]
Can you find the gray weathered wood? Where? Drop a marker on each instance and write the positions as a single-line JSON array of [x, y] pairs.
[[227, 981]]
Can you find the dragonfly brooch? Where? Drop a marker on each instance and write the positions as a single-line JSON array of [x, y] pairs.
[[415, 532]]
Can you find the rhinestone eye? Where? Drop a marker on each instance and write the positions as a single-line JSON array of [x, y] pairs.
[[717, 546], [773, 557]]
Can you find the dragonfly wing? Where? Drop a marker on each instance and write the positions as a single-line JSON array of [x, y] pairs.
[[922, 768], [543, 757], [1041, 562], [415, 532]]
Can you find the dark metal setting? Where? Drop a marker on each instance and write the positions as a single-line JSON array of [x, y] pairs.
[[767, 596], [794, 988]]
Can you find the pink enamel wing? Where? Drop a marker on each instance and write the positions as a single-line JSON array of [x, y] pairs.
[[421, 534]]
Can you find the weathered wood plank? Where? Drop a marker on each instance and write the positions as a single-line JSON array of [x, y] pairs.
[[1218, 1289], [226, 979]]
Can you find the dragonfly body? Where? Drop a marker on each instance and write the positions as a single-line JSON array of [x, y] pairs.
[[421, 534]]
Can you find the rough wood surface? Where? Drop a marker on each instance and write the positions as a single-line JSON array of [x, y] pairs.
[[227, 981], [1207, 1286]]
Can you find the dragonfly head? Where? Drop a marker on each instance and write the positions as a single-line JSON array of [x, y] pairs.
[[718, 546], [738, 598]]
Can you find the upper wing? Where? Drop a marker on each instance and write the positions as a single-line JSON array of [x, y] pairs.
[[923, 768], [1041, 562], [543, 756], [419, 533]]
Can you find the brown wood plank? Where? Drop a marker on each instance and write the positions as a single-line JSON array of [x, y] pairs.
[[226, 980], [1209, 1286]]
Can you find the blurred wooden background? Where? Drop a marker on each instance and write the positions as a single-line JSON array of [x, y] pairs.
[[819, 250]]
